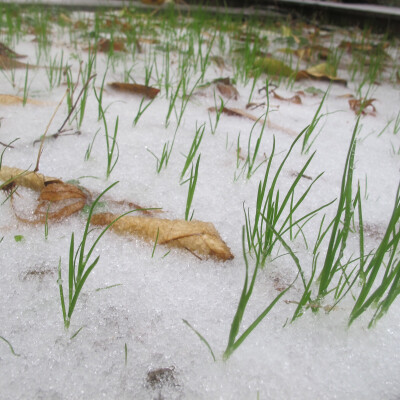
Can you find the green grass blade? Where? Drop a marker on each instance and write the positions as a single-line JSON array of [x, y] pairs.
[[201, 337]]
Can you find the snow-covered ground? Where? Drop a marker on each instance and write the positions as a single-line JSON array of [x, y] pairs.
[[133, 343]]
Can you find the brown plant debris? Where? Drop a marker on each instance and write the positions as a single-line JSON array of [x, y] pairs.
[[7, 62], [236, 112], [227, 90], [104, 45], [294, 99], [9, 99], [197, 237], [321, 72], [135, 88], [363, 106], [57, 199], [28, 179], [6, 51]]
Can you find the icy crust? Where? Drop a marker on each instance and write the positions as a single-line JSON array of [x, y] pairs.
[[133, 343]]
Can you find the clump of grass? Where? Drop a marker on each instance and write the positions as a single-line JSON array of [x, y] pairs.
[[273, 208], [341, 224], [79, 267], [381, 297]]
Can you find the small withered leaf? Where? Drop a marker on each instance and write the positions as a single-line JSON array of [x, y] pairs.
[[9, 63], [135, 88], [196, 236], [6, 51], [294, 99], [9, 99], [29, 179], [321, 72], [363, 106], [104, 45], [57, 191], [228, 90]]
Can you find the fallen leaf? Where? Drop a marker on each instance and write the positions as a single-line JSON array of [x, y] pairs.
[[9, 63], [148, 40], [29, 179], [312, 53], [228, 90], [8, 99], [136, 89], [57, 191], [363, 106], [236, 112], [294, 99], [104, 45], [6, 51], [320, 72], [272, 66], [55, 201], [198, 237]]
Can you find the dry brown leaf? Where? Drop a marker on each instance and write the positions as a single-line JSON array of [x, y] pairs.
[[345, 96], [148, 40], [320, 72], [236, 112], [312, 53], [29, 179], [104, 45], [294, 99], [9, 63], [57, 191], [198, 237], [135, 88], [228, 90], [8, 99], [6, 51], [363, 106], [63, 210]]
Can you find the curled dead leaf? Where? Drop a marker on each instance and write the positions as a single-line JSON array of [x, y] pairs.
[[135, 88], [363, 106], [294, 99], [57, 191], [198, 237]]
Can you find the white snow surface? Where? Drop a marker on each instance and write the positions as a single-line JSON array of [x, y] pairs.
[[316, 357]]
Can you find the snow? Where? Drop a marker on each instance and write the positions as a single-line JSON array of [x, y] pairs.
[[318, 356]]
